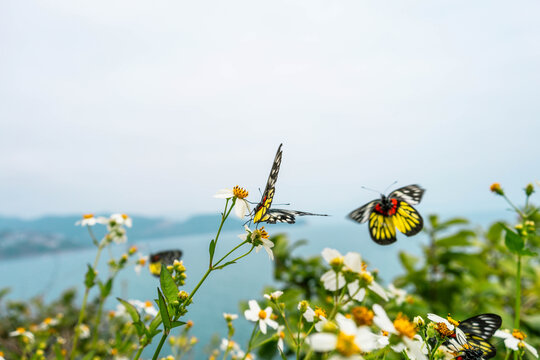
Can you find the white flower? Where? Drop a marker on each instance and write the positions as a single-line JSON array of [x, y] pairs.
[[229, 346], [117, 234], [273, 296], [446, 327], [514, 340], [333, 279], [401, 327], [47, 323], [281, 336], [255, 313], [241, 206], [120, 219], [349, 342], [259, 238], [353, 263], [141, 262], [22, 332], [84, 331], [396, 293], [91, 220], [318, 315], [144, 307], [230, 317]]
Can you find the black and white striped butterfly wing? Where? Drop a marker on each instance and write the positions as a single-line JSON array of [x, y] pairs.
[[411, 194], [361, 214], [286, 216], [263, 206], [483, 325]]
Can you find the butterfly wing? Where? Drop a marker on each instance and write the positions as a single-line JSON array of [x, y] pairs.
[[164, 257], [261, 210], [285, 216], [382, 228], [483, 325], [407, 219], [478, 343], [361, 214], [411, 194]]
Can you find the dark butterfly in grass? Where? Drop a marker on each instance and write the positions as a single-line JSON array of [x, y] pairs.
[[386, 214], [163, 257], [263, 212], [478, 330]]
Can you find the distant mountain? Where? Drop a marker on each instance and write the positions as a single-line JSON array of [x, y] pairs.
[[21, 237]]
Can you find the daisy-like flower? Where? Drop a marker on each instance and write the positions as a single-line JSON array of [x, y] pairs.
[[273, 296], [84, 331], [230, 317], [27, 335], [318, 315], [2, 355], [354, 264], [260, 239], [333, 279], [230, 346], [514, 340], [140, 263], [241, 206], [281, 336], [47, 323], [120, 219], [144, 307], [395, 293], [256, 314], [349, 342], [91, 220], [403, 329], [447, 327]]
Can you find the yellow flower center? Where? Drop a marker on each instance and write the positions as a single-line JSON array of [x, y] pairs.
[[384, 333], [362, 316], [47, 320], [364, 266], [452, 321], [20, 330], [443, 329], [518, 334], [337, 261], [346, 345], [262, 314], [319, 313], [142, 261], [282, 334], [367, 277], [125, 217], [240, 192], [263, 233], [114, 351], [404, 326], [189, 324], [88, 216]]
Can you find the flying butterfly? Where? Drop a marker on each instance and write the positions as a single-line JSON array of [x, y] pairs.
[[478, 330], [263, 212], [163, 257], [386, 214]]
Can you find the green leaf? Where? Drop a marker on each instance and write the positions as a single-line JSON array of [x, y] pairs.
[[527, 252], [176, 324], [155, 323], [461, 238], [163, 310], [513, 241], [89, 356], [212, 248], [105, 289], [408, 261], [168, 286], [90, 277], [226, 264], [131, 310]]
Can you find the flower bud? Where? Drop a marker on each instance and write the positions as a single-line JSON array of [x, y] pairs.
[[529, 189], [303, 306], [419, 321], [182, 295], [132, 250], [496, 188]]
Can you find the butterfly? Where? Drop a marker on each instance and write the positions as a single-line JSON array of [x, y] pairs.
[[391, 212], [477, 330], [263, 212], [163, 257]]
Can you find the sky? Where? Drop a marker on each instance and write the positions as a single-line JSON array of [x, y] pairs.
[[151, 107]]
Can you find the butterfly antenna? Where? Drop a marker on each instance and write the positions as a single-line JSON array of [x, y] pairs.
[[377, 191], [389, 186], [282, 204]]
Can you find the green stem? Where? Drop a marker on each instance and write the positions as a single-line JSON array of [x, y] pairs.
[[139, 352], [224, 217], [518, 293], [251, 338], [85, 297], [98, 320], [160, 345], [230, 252], [514, 206]]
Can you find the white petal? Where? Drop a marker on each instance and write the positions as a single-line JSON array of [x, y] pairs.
[[241, 208], [322, 342], [353, 261], [272, 323], [309, 314], [511, 343], [378, 289], [224, 194], [329, 280], [330, 254], [531, 349], [356, 292], [502, 334], [415, 349], [262, 326], [382, 320], [438, 319], [368, 341], [346, 325]]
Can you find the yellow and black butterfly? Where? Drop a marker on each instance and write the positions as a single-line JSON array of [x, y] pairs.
[[262, 212], [163, 257], [477, 331], [391, 212]]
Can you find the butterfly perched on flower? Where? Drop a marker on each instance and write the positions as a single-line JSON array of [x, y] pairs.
[[386, 214], [163, 257], [477, 330], [263, 212]]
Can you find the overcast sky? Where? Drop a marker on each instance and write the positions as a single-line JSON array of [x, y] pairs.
[[150, 107]]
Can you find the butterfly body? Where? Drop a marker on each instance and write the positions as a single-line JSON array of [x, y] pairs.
[[478, 330], [386, 214], [263, 212], [163, 257]]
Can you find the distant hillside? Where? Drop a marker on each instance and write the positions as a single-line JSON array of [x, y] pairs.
[[20, 237]]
